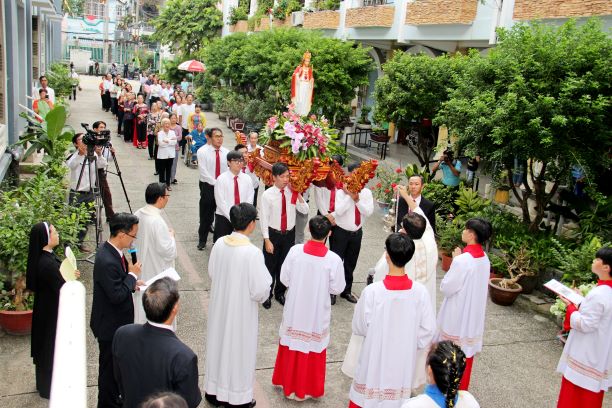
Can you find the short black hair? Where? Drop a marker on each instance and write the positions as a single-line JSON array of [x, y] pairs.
[[481, 228], [241, 215], [154, 191], [97, 124], [338, 158], [159, 299], [400, 249], [207, 132], [414, 224], [42, 77], [164, 399], [75, 137], [122, 222], [352, 166], [41, 90], [319, 227], [234, 155], [215, 129], [605, 254], [239, 146], [420, 177], [279, 168]]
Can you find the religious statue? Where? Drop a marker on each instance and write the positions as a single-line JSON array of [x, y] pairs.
[[302, 86]]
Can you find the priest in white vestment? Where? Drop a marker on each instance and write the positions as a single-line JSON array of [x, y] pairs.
[[586, 362], [311, 272], [461, 317], [240, 281], [396, 319], [156, 244]]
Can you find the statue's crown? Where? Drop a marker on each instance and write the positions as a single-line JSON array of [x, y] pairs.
[[307, 55]]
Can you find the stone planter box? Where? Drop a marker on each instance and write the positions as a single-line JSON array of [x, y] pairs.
[[376, 16], [241, 26], [534, 9], [424, 12], [327, 19]]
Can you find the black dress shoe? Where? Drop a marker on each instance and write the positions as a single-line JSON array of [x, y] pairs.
[[349, 296], [212, 400], [280, 299], [268, 303], [333, 299], [369, 280], [252, 404], [201, 246]]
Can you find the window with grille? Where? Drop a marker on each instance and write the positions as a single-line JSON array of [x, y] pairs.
[[93, 8], [121, 11]]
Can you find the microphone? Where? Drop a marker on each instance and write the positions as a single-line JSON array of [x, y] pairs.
[[132, 251]]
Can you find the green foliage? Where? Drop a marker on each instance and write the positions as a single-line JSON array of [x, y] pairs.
[[59, 78], [171, 72], [365, 111], [414, 170], [449, 234], [260, 66], [326, 5], [42, 198], [73, 7], [284, 8], [388, 179], [52, 136], [188, 25], [468, 202], [238, 13], [576, 262], [543, 93], [442, 197]]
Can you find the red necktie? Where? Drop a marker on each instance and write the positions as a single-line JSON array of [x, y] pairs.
[[332, 200], [123, 263], [357, 217], [236, 191], [283, 212], [217, 164]]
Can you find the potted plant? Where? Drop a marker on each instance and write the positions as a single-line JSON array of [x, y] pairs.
[[504, 291], [364, 121], [449, 238], [384, 190], [502, 187], [498, 266]]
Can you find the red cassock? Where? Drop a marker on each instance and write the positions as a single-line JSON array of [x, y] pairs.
[[573, 396], [302, 374]]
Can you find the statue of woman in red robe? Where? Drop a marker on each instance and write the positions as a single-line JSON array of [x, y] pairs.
[[302, 86]]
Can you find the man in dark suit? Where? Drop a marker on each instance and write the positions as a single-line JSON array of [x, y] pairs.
[[415, 186], [114, 281], [149, 358]]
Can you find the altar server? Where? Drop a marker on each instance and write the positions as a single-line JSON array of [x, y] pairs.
[[586, 362], [311, 272], [278, 207], [351, 210], [462, 315], [396, 319], [240, 281], [231, 188], [156, 244]]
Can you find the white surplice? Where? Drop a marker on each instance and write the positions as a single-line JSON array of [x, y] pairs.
[[587, 356], [395, 324], [240, 281], [307, 312], [461, 317], [156, 251]]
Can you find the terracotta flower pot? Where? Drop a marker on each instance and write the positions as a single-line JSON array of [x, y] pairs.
[[501, 296], [14, 322], [446, 262]]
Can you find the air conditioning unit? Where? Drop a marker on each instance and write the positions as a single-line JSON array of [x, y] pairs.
[[297, 18]]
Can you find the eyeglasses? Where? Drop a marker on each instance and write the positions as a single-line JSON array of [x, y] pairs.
[[130, 235]]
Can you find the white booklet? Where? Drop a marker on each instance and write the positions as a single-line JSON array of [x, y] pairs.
[[562, 290], [68, 266], [170, 273]]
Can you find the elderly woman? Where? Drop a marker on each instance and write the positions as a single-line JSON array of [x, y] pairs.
[[44, 279], [166, 140]]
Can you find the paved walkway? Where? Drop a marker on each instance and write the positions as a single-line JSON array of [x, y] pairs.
[[515, 369]]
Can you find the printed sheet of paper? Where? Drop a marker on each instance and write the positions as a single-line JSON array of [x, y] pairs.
[[69, 266], [562, 290], [170, 273]]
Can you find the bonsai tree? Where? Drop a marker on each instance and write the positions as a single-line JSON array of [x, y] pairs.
[[518, 265], [363, 118]]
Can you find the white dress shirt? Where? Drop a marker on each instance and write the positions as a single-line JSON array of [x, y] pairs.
[[107, 85], [166, 143], [75, 163], [184, 112], [344, 213], [156, 90], [224, 191], [250, 149], [207, 162], [271, 208], [322, 196]]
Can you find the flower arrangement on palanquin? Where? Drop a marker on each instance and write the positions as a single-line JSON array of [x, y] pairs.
[[306, 144]]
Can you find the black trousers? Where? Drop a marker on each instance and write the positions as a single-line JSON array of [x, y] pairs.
[[119, 120], [151, 146], [223, 227], [108, 390], [76, 198], [282, 244], [114, 105], [141, 129], [164, 169], [255, 197], [183, 141], [43, 380], [106, 101], [128, 129], [346, 244], [207, 210], [107, 198]]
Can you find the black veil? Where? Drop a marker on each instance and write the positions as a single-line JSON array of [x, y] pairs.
[[39, 238]]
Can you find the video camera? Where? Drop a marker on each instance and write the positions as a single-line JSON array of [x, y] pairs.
[[92, 139]]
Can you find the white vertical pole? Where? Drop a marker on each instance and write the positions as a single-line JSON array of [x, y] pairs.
[[69, 386]]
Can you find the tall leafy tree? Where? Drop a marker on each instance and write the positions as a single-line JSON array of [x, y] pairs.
[[412, 88], [188, 25], [543, 96]]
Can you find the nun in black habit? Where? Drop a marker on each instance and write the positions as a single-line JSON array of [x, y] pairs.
[[43, 277]]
